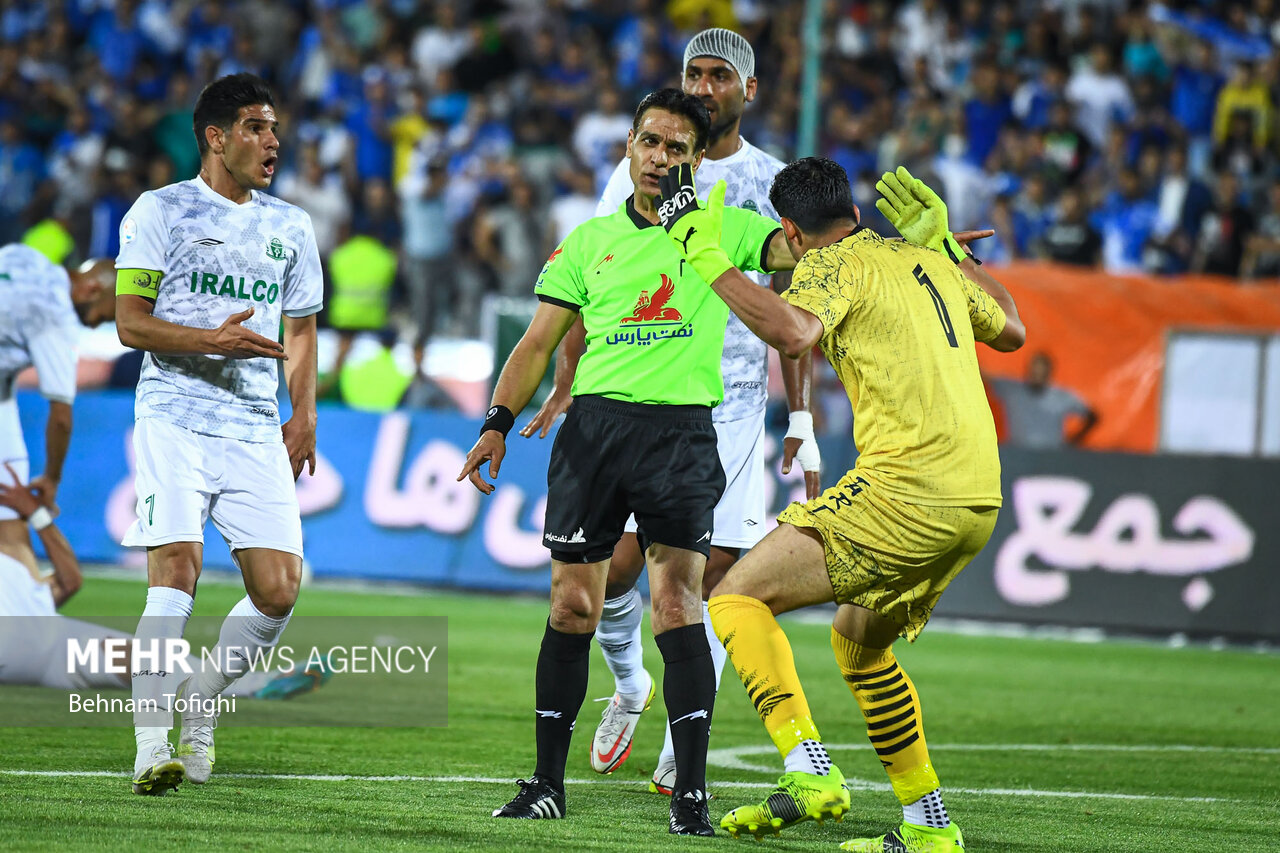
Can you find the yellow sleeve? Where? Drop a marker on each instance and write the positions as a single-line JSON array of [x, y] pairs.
[[823, 285], [985, 314], [130, 282]]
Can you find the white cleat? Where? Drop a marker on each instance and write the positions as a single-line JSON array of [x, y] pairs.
[[612, 742], [664, 778], [195, 745], [157, 772]]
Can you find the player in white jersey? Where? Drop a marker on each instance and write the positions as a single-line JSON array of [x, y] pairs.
[[208, 269], [42, 307], [719, 69]]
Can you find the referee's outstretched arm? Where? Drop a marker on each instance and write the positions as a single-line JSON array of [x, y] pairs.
[[519, 379]]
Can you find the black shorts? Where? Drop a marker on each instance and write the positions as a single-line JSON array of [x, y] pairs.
[[612, 458]]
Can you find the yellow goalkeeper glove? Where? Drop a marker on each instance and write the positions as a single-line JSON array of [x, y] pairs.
[[917, 212], [695, 230]]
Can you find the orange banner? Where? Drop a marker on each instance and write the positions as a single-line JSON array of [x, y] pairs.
[[1106, 335]]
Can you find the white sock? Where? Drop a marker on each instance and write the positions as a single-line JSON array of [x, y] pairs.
[[246, 632], [927, 811], [718, 657], [164, 618], [809, 756], [619, 637]]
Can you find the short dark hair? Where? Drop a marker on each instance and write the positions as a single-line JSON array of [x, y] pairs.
[[220, 102], [676, 101], [814, 193]]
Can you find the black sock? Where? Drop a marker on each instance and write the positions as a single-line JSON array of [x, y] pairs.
[[689, 690], [561, 686]]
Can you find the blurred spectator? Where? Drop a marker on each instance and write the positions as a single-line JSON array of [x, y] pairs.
[[1262, 249], [117, 190], [320, 194], [600, 129], [1245, 94], [1224, 230], [1181, 201], [510, 234], [368, 121], [573, 207], [439, 45], [377, 216], [1065, 149], [1126, 220], [1036, 411], [1194, 98], [986, 113], [21, 170], [1071, 239], [1100, 95], [361, 272], [428, 244]]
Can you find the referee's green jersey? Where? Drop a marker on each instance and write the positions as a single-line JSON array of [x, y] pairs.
[[655, 329]]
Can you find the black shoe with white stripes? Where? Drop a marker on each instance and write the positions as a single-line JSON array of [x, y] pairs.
[[536, 800], [689, 814]]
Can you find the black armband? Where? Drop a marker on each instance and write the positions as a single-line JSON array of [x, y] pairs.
[[499, 418]]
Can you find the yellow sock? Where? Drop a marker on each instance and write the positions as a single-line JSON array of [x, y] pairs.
[[891, 706], [762, 656]]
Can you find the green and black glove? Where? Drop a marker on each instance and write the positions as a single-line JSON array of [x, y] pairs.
[[917, 212], [696, 230]]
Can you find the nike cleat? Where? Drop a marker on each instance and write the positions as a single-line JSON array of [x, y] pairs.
[[689, 815], [537, 800], [664, 778], [612, 742], [798, 797], [910, 838], [158, 772]]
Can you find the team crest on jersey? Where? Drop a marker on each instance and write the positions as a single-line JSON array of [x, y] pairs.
[[275, 249], [750, 204]]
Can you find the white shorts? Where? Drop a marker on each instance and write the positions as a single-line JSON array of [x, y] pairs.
[[39, 658], [184, 478], [740, 515], [13, 450]]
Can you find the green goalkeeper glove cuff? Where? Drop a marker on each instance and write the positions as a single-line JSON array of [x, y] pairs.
[[695, 230], [917, 212]]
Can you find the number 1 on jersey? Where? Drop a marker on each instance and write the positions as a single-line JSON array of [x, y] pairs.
[[938, 305]]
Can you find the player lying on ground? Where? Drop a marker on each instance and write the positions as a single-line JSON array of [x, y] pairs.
[[38, 655], [920, 503]]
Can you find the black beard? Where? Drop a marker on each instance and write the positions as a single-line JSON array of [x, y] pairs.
[[719, 131]]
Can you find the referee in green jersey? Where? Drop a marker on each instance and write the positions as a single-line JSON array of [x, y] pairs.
[[638, 439]]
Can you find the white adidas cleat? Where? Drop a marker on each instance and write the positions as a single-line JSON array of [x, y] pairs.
[[612, 742], [156, 772], [195, 745]]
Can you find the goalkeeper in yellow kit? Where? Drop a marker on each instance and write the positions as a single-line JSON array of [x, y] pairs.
[[898, 321]]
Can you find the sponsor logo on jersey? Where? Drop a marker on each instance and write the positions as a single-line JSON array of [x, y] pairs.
[[207, 241], [577, 538], [238, 287], [128, 230], [601, 263], [750, 204], [654, 309], [275, 249]]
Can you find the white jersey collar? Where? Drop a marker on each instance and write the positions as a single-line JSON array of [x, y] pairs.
[[218, 197]]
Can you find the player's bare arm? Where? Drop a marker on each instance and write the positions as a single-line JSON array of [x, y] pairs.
[[518, 381], [66, 578], [797, 381], [1014, 334], [300, 378], [57, 437], [569, 353], [138, 329]]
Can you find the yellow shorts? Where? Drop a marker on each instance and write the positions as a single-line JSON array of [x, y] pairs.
[[889, 556]]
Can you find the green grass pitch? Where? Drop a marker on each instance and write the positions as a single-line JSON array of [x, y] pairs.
[[1042, 745]]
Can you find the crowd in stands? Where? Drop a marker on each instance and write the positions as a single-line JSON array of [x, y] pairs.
[[443, 148]]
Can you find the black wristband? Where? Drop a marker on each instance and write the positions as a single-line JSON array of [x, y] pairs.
[[499, 418]]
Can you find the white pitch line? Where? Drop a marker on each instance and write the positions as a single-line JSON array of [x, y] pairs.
[[853, 784]]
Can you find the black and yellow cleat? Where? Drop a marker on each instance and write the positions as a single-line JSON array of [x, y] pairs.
[[798, 797], [158, 773]]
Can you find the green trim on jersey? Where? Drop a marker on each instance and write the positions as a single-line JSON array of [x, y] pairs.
[[655, 329], [132, 282]]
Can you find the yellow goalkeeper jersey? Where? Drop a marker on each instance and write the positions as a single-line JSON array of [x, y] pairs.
[[899, 326]]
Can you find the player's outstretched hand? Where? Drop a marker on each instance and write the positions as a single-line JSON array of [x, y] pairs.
[[46, 490], [492, 446], [556, 404], [300, 441], [235, 341], [799, 444], [16, 496], [695, 230], [917, 212]]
